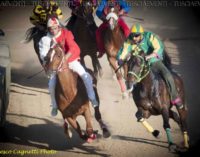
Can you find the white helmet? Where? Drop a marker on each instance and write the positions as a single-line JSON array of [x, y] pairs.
[[53, 22]]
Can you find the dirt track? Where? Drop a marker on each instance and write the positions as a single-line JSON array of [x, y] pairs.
[[30, 126]]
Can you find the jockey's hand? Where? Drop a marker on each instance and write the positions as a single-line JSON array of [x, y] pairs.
[[153, 55], [120, 62]]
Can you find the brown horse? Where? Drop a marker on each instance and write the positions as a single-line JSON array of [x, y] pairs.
[[113, 38], [152, 97], [71, 95], [84, 32]]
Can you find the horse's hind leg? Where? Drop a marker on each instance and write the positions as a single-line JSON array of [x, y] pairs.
[[96, 66], [166, 126], [106, 132], [183, 115], [175, 117], [97, 114]]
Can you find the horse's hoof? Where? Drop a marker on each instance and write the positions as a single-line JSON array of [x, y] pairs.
[[173, 148], [106, 133], [156, 134], [124, 95], [91, 138]]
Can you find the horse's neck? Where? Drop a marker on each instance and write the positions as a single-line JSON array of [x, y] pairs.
[[147, 82], [118, 36], [67, 82]]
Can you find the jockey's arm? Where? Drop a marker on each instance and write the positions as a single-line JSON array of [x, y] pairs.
[[157, 48], [68, 55], [100, 9], [124, 51], [125, 8]]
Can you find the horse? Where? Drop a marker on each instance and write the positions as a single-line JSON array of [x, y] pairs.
[[71, 95], [113, 39], [151, 96], [84, 32]]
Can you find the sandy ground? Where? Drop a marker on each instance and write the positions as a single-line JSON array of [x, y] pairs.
[[29, 124]]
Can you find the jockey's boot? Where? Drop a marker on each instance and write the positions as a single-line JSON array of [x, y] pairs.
[[54, 111], [87, 80], [177, 102]]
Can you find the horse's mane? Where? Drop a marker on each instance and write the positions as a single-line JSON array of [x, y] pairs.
[[30, 33]]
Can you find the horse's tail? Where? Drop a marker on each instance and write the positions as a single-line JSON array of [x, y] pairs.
[[167, 62], [30, 33]]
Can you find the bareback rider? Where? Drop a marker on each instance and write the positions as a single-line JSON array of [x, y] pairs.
[[42, 11], [102, 13], [57, 34], [140, 40], [39, 17]]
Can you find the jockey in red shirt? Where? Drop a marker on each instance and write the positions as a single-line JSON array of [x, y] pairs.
[[56, 34], [102, 13]]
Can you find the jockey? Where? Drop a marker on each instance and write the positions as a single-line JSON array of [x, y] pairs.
[[72, 50], [102, 13], [74, 6], [42, 11], [153, 47]]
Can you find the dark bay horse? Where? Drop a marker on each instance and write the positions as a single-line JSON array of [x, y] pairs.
[[152, 97], [84, 32], [71, 95], [113, 38]]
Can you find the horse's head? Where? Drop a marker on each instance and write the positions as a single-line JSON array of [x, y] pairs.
[[54, 59], [138, 68], [85, 11], [112, 17]]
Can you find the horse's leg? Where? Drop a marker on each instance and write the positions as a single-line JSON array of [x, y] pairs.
[[97, 113], [67, 131], [174, 116], [183, 115], [140, 118], [96, 65], [89, 129], [166, 126], [113, 63], [75, 125]]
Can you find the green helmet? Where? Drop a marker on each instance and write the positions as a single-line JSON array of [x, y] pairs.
[[137, 29]]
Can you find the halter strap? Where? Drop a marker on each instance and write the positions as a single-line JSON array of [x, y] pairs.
[[140, 77]]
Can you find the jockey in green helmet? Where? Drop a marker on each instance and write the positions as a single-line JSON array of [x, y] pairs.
[[140, 40]]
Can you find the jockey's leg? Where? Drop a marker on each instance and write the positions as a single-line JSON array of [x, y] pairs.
[[99, 39], [160, 67], [87, 80], [124, 27], [52, 85]]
